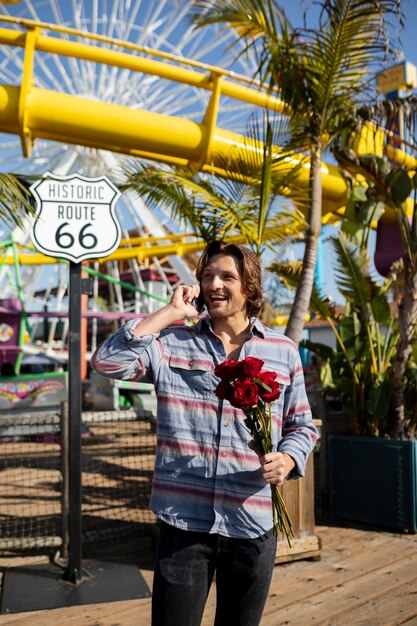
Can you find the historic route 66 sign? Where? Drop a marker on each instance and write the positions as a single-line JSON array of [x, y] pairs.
[[75, 217]]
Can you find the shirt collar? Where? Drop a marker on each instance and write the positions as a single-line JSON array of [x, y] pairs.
[[256, 328]]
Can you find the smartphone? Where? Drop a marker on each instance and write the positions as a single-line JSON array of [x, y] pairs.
[[199, 303]]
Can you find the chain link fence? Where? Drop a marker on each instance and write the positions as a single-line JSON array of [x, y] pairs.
[[118, 451]]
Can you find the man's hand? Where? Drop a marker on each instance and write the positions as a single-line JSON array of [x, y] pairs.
[[182, 300], [276, 466], [180, 307]]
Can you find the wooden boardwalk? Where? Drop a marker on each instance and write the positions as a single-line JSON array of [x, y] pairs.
[[364, 578]]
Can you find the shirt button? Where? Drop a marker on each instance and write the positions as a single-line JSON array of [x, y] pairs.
[[191, 363], [226, 424], [223, 454]]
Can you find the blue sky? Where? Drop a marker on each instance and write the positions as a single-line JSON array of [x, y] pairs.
[[408, 35]]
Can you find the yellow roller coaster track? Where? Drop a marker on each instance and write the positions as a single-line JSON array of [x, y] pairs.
[[35, 113]]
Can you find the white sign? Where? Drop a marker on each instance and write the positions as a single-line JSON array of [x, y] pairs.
[[75, 217], [401, 76]]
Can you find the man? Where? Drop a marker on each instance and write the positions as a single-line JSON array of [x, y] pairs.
[[210, 491]]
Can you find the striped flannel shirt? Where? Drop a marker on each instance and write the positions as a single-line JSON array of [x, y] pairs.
[[206, 478]]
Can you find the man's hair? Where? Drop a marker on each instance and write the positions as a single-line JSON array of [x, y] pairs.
[[249, 269]]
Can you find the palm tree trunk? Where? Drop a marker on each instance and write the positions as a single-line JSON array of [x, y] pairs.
[[407, 319], [301, 303]]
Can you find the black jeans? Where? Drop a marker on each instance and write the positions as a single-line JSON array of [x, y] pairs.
[[184, 569]]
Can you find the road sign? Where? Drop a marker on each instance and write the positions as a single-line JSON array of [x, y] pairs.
[[75, 217]]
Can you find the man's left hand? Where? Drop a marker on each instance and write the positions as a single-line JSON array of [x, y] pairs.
[[276, 466]]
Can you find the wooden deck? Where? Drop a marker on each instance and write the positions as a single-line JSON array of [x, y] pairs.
[[364, 578]]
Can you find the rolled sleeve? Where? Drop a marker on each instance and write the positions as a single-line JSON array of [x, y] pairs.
[[124, 355], [299, 433]]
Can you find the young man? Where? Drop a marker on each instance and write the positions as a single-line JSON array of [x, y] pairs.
[[210, 491]]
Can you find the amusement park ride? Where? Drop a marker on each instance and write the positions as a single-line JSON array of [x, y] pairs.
[[80, 99]]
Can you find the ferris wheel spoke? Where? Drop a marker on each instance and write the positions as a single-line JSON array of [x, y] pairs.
[[77, 11], [131, 18], [117, 21], [58, 18], [31, 9], [174, 22]]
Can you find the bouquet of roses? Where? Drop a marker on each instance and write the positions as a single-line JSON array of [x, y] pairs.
[[246, 386]]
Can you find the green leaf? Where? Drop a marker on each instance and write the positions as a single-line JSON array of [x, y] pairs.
[[16, 201], [323, 351], [378, 399], [326, 376], [400, 184]]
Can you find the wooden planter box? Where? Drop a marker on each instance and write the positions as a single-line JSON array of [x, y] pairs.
[[373, 481], [299, 499]]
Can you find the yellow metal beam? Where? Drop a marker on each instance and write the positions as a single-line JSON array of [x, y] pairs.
[[27, 84], [139, 248], [139, 252], [75, 120], [252, 95]]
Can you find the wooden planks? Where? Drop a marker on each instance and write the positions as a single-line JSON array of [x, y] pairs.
[[364, 578]]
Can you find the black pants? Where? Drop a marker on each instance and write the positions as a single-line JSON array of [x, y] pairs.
[[185, 566]]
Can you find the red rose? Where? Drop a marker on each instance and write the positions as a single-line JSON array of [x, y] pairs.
[[224, 390], [267, 378], [251, 366], [245, 393], [269, 389], [228, 370], [270, 396]]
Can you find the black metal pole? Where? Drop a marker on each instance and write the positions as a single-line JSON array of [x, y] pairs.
[[74, 571], [65, 478]]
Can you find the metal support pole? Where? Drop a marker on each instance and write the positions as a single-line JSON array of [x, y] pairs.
[[74, 571], [65, 478]]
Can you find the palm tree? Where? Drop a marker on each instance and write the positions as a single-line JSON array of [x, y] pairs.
[[394, 186], [374, 372], [323, 74]]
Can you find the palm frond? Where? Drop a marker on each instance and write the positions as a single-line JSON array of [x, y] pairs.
[[256, 22], [212, 206], [384, 114], [16, 202], [290, 275], [263, 168], [351, 39], [352, 270], [355, 281], [251, 19]]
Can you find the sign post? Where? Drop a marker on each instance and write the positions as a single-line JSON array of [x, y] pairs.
[[74, 570], [75, 220]]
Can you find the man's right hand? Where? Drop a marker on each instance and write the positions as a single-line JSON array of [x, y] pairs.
[[182, 300], [180, 307]]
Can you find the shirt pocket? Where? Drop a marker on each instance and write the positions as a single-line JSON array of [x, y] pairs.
[[283, 379], [189, 375]]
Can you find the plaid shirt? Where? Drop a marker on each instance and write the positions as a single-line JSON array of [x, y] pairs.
[[206, 477]]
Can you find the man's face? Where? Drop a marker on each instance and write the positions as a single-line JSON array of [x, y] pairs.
[[221, 285]]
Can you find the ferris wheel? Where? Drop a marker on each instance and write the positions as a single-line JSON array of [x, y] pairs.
[[158, 27], [163, 26]]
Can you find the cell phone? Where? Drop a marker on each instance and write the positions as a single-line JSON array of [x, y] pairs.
[[199, 303]]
